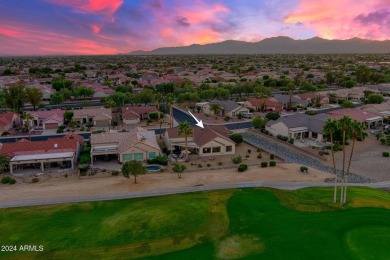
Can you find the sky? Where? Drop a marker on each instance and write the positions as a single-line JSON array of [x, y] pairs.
[[42, 27]]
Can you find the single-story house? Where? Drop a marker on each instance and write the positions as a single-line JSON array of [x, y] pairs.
[[263, 104], [378, 109], [41, 154], [8, 121], [285, 99], [98, 117], [207, 141], [298, 126], [132, 115], [312, 97], [370, 120], [138, 144], [229, 108], [50, 119]]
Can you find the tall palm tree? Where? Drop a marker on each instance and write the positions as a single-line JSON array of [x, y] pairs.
[[345, 123], [186, 129], [331, 126], [358, 133], [159, 97], [216, 108], [28, 117], [170, 101], [4, 161]]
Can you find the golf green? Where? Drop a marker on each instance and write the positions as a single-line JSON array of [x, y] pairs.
[[228, 224]]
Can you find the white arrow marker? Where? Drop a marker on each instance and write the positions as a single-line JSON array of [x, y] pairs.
[[198, 123]]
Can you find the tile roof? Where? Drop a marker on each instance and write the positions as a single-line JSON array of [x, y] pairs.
[[57, 114], [313, 123], [353, 113], [228, 105], [134, 112], [6, 118], [100, 114], [257, 102]]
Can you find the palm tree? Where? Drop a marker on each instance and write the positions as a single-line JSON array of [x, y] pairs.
[[170, 101], [291, 88], [159, 97], [186, 129], [4, 161], [28, 117], [331, 126], [358, 133], [216, 108], [345, 124]]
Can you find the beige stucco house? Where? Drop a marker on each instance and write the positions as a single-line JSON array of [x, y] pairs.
[[228, 108], [98, 117]]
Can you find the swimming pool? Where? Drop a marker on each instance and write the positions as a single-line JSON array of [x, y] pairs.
[[153, 168]]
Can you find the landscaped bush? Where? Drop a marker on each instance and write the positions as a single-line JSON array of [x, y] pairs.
[[249, 150], [85, 158], [115, 173], [272, 163], [200, 165], [304, 169], [237, 138], [208, 165], [4, 133], [283, 138], [259, 156], [59, 131], [35, 180], [311, 112], [226, 118], [264, 164], [258, 150], [98, 131], [161, 160], [242, 167], [386, 154], [272, 156], [382, 140], [12, 181], [291, 141], [219, 163], [5, 179], [237, 159], [73, 123]]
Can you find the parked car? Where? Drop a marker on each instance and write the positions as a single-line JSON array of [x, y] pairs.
[[247, 115]]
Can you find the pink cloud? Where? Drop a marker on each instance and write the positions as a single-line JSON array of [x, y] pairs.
[[202, 13], [340, 19], [105, 7], [95, 28]]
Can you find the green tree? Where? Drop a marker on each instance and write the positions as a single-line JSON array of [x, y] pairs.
[[34, 96], [56, 98], [259, 122], [179, 169], [4, 162], [216, 108], [330, 127], [237, 138], [84, 92], [357, 133], [66, 93], [68, 116], [363, 74], [347, 104], [272, 115], [146, 96], [28, 117], [375, 99], [133, 168], [186, 130], [15, 97], [170, 101], [59, 83], [110, 104]]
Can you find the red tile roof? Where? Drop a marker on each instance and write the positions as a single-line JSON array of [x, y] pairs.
[[6, 119], [257, 102], [136, 111], [57, 114], [353, 113]]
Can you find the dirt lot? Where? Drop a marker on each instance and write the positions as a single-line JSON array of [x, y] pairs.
[[107, 184]]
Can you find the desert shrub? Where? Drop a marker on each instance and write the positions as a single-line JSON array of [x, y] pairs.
[[386, 154], [161, 160], [219, 163], [259, 156], [12, 181], [200, 165], [247, 156], [304, 169], [258, 150], [237, 159], [382, 140], [272, 156], [35, 180], [73, 123], [4, 133], [264, 164], [59, 131], [249, 150], [311, 112], [272, 163], [242, 167], [208, 165], [98, 131], [5, 179], [115, 173], [237, 138], [291, 141], [226, 118]]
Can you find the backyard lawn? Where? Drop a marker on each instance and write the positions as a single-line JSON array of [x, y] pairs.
[[228, 224]]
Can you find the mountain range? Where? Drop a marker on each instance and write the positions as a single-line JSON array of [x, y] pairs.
[[277, 45]]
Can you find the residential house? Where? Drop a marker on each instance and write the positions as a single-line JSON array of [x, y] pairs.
[[136, 145], [99, 90], [298, 126], [285, 100], [43, 154], [263, 104], [132, 115], [312, 97], [229, 108], [370, 120], [8, 121], [378, 109], [207, 141], [97, 117], [50, 119]]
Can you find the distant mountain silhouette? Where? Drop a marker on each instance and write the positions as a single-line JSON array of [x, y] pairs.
[[282, 45]]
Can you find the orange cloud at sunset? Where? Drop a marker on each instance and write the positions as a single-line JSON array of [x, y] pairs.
[[106, 7], [344, 19]]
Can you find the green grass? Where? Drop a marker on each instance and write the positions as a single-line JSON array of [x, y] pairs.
[[230, 224]]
